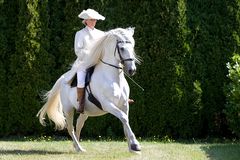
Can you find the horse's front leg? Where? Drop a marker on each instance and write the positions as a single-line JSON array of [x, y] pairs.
[[125, 109], [134, 145]]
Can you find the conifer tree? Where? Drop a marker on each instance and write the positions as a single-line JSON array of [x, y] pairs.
[[29, 65]]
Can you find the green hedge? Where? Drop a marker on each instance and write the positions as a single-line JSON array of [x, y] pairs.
[[185, 46], [232, 89]]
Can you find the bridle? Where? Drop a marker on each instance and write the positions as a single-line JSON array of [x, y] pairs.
[[117, 49], [119, 52]]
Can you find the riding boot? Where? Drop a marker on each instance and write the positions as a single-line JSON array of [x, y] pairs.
[[130, 101], [80, 99]]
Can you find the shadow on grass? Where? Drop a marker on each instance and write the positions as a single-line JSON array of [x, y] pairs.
[[222, 151], [28, 152]]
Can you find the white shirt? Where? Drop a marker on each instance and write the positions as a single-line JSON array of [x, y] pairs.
[[84, 39]]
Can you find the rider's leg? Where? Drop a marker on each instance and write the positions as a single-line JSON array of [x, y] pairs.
[[81, 74]]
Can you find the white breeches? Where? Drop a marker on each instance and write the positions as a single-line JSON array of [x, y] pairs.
[[81, 74]]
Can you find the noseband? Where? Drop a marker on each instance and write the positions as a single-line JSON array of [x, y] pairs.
[[117, 49]]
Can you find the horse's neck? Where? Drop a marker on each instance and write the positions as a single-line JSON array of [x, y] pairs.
[[111, 60], [109, 72], [109, 57]]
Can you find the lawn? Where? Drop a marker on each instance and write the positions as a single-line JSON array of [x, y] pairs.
[[117, 150]]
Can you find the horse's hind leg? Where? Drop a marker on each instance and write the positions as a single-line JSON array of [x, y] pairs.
[[80, 122], [70, 128]]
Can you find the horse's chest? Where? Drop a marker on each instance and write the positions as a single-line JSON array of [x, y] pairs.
[[118, 91]]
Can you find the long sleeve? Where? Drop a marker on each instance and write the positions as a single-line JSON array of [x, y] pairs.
[[84, 41], [78, 44]]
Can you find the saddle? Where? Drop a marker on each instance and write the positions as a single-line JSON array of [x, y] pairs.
[[91, 97]]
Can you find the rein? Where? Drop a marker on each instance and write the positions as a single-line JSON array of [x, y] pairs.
[[110, 64], [117, 49]]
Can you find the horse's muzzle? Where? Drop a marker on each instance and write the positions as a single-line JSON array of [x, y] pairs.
[[131, 72]]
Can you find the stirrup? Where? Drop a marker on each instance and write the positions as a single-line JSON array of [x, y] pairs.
[[80, 108]]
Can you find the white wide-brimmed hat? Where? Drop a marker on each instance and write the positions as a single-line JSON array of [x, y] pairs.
[[90, 14]]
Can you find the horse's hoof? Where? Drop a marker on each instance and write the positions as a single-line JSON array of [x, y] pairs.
[[79, 149], [135, 148], [83, 150]]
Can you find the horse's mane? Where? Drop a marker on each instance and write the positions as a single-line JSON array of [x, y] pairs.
[[98, 46]]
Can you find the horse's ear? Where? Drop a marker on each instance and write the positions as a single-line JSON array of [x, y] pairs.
[[131, 30]]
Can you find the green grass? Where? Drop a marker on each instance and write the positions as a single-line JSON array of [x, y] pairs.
[[117, 150]]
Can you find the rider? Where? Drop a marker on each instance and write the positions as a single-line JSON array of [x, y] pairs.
[[83, 39]]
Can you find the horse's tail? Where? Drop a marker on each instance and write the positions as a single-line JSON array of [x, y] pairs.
[[53, 107]]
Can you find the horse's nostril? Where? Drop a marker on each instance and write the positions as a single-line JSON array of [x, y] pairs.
[[131, 72]]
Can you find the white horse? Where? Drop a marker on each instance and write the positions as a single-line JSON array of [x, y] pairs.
[[113, 55]]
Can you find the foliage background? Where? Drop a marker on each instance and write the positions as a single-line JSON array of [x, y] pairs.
[[185, 46]]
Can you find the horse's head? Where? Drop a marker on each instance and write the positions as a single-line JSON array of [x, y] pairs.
[[122, 44], [125, 49]]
